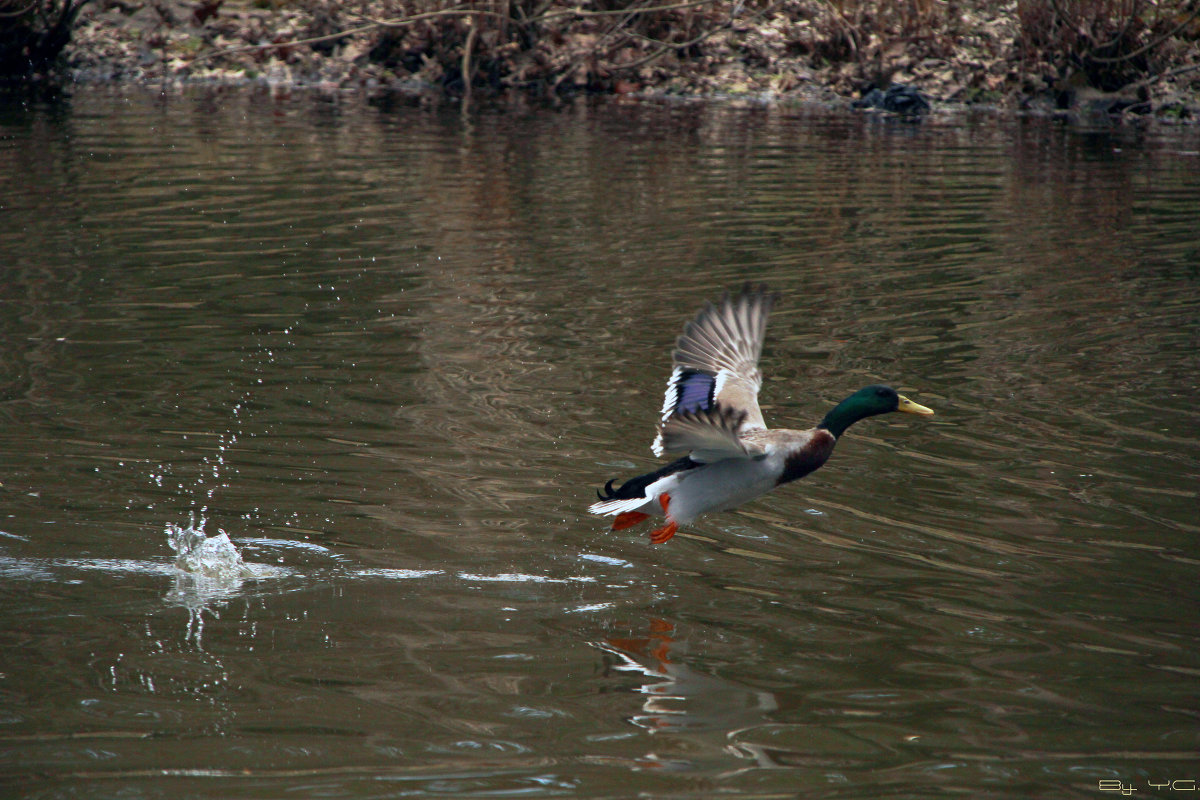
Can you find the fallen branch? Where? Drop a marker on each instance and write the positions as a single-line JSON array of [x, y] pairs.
[[252, 48]]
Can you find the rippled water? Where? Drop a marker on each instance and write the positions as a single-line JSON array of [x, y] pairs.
[[391, 353]]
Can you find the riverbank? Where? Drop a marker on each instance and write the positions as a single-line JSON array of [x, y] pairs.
[[997, 54]]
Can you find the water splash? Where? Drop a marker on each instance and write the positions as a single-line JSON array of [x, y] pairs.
[[209, 571], [213, 558]]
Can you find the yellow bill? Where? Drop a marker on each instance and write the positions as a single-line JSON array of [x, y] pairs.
[[909, 407]]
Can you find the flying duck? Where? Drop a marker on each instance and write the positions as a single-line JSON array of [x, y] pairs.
[[711, 413]]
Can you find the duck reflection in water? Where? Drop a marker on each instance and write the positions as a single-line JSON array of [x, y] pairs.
[[678, 698]]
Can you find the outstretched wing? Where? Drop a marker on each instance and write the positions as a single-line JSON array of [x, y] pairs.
[[716, 360], [708, 436]]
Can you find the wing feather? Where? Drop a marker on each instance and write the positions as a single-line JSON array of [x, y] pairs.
[[723, 342], [708, 435]]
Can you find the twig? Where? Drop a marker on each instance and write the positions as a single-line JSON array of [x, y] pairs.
[[1162, 75], [254, 47], [1128, 18], [20, 13], [445, 12], [1149, 45], [579, 12], [618, 25], [850, 29], [684, 45], [680, 45], [465, 68], [448, 12], [329, 37]]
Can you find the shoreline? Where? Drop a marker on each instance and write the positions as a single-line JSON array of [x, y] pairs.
[[763, 59]]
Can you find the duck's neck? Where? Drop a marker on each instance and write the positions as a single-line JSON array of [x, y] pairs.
[[846, 413]]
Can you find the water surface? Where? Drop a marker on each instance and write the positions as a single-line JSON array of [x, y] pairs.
[[392, 352]]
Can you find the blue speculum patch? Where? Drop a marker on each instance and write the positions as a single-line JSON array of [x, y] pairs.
[[695, 391]]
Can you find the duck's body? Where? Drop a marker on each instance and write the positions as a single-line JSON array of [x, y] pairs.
[[711, 411]]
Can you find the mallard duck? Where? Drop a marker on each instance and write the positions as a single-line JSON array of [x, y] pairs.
[[711, 412]]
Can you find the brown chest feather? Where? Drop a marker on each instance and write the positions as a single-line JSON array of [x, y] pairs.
[[813, 454]]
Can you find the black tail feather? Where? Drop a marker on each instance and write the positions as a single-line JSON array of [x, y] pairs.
[[636, 487]]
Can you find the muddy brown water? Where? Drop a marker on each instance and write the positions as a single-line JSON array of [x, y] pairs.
[[392, 352]]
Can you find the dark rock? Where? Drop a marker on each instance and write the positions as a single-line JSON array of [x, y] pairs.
[[897, 98]]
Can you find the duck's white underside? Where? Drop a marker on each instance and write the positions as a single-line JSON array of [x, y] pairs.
[[711, 487]]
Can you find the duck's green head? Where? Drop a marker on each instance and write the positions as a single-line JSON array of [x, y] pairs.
[[868, 402]]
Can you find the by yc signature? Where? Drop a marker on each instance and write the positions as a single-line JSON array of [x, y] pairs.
[[1127, 789]]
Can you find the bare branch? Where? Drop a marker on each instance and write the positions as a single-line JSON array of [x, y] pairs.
[[1149, 45], [579, 12], [19, 12], [252, 48]]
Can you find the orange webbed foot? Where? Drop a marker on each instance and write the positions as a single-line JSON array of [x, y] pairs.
[[664, 533], [667, 531], [627, 519]]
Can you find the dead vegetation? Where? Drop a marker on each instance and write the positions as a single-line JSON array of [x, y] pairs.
[[1116, 47], [1132, 54]]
